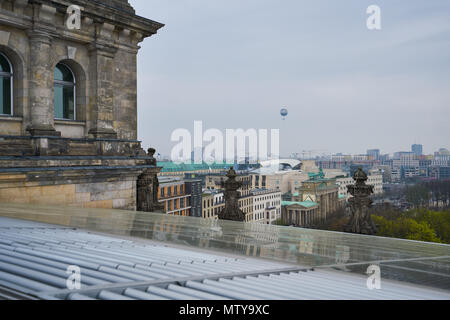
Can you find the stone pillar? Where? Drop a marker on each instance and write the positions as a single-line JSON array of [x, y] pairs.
[[41, 85], [102, 68]]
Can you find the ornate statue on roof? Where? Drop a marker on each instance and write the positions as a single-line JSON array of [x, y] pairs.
[[231, 211], [152, 160], [360, 221], [314, 176], [147, 186]]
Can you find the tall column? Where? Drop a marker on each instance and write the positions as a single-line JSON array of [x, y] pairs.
[[40, 85], [102, 68]]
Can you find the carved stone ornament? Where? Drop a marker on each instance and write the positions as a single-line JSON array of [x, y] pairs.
[[147, 187], [231, 211], [360, 220]]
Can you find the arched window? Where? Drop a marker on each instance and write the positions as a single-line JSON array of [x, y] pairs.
[[6, 86], [64, 86]]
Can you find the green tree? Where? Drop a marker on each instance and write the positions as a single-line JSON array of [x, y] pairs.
[[439, 221], [405, 228]]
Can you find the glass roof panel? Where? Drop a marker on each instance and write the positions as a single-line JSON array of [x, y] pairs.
[[405, 260]]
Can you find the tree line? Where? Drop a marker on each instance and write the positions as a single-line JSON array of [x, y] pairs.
[[435, 194]]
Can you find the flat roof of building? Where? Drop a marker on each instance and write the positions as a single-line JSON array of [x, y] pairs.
[[169, 166], [306, 204]]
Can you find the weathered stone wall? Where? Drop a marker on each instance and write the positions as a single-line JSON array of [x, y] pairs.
[[20, 146], [80, 188], [125, 106], [107, 195]]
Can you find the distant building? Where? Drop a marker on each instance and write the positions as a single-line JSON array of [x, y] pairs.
[[300, 213], [410, 172], [442, 152], [266, 202], [384, 170], [266, 206], [194, 189], [172, 194], [375, 180], [214, 182], [246, 205], [323, 191], [440, 172], [374, 153], [404, 155], [383, 158], [424, 166], [441, 160], [360, 157], [212, 202], [417, 149], [170, 168], [283, 181], [396, 174], [399, 163]]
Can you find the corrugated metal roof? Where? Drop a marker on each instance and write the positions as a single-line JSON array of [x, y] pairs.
[[34, 258]]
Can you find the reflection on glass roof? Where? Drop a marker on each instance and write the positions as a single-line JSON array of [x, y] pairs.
[[405, 260]]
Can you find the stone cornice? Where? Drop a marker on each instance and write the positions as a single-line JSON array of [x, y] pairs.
[[103, 49], [39, 35], [119, 28], [99, 12]]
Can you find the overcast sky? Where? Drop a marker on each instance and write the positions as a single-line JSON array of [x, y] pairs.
[[236, 63]]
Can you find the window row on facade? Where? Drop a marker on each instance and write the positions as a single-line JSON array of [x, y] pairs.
[[170, 191], [177, 204], [64, 86]]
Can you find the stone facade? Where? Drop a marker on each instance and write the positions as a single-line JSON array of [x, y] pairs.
[[323, 191], [300, 214], [92, 159], [117, 194]]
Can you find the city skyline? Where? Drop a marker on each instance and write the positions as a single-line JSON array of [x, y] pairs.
[[347, 89]]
